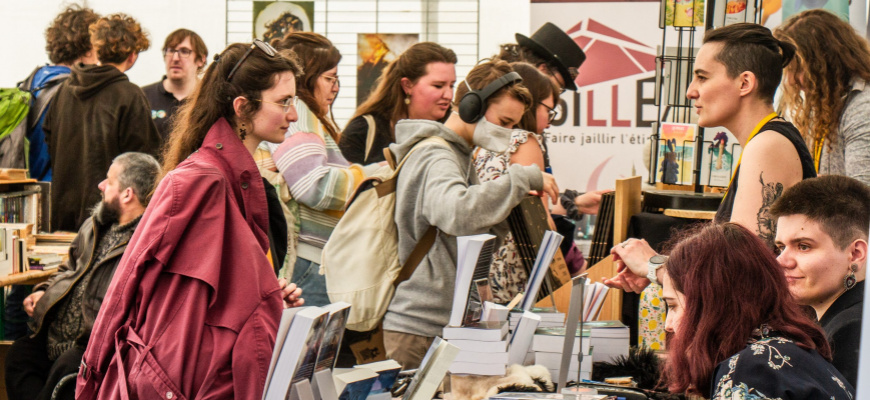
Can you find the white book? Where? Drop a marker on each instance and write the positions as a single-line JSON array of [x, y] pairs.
[[494, 312], [546, 252], [477, 345], [432, 370], [354, 383], [459, 367], [474, 256], [521, 339], [486, 331], [333, 334], [482, 358], [552, 339], [297, 353], [554, 361]]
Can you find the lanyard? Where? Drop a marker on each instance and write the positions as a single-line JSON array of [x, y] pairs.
[[751, 135], [818, 147]]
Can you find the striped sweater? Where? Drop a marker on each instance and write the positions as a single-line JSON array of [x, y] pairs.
[[319, 178]]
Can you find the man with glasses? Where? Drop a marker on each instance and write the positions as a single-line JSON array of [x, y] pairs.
[[184, 54]]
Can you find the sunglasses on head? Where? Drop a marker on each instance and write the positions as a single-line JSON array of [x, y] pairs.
[[257, 44]]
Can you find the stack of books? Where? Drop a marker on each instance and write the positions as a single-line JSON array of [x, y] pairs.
[[483, 348], [547, 345], [549, 317], [609, 339]]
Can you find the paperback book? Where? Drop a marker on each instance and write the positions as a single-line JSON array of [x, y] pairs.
[[472, 277], [293, 360]]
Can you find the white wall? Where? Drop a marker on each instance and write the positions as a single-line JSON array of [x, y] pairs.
[[472, 28], [23, 23]]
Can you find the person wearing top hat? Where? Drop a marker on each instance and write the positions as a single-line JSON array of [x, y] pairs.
[[558, 56]]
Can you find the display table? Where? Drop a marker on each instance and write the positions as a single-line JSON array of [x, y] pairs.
[[27, 278]]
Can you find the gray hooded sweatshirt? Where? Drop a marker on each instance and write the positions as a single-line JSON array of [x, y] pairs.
[[439, 186]]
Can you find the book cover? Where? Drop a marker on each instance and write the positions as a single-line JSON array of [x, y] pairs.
[[521, 339], [388, 372], [333, 334], [689, 13], [474, 257], [354, 384], [432, 370], [291, 354], [718, 156], [528, 222], [735, 11], [676, 153], [549, 245]]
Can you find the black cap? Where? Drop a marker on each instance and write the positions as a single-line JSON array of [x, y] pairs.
[[560, 50]]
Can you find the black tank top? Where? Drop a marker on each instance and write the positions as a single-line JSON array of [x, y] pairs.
[[723, 214]]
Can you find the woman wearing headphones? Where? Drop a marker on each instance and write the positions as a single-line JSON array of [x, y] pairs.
[[319, 179], [439, 196], [508, 276], [417, 85]]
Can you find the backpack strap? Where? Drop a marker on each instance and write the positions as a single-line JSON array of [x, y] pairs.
[[420, 250], [370, 136]]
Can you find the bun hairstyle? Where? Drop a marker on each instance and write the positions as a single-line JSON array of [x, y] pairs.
[[752, 47], [214, 94]]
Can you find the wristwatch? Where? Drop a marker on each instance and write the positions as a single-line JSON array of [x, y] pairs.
[[655, 262]]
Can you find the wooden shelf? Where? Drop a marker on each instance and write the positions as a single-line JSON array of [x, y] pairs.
[[27, 278]]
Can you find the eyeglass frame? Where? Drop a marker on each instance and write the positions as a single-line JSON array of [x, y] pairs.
[[291, 102], [171, 52], [257, 43], [335, 80], [551, 112]]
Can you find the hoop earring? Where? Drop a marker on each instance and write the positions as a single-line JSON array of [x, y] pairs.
[[850, 281], [243, 133]]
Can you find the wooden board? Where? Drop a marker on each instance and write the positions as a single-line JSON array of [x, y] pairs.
[[611, 309], [693, 214], [27, 278], [626, 204]]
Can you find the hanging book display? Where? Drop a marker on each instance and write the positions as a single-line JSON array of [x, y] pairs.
[[528, 222], [602, 237]]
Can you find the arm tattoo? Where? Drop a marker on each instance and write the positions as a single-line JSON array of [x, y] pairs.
[[766, 225]]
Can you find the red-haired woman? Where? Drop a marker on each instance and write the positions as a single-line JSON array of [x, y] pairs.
[[736, 330]]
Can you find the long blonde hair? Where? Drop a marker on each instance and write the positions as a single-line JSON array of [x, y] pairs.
[[829, 55]]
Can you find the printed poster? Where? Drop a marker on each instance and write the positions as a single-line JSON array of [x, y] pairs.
[[676, 153], [376, 50], [275, 19]]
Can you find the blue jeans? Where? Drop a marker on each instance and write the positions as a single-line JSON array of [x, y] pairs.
[[306, 275]]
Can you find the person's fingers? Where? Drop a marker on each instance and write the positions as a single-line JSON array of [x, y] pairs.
[[282, 283]]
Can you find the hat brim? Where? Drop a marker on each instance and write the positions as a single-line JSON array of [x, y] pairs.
[[539, 49]]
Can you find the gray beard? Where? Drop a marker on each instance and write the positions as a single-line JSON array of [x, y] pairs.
[[108, 212]]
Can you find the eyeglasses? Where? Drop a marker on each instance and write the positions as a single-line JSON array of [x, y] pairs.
[[182, 52], [257, 44], [286, 105], [333, 80], [552, 113]]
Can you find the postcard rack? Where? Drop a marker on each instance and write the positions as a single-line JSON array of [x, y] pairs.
[[674, 67], [684, 153]]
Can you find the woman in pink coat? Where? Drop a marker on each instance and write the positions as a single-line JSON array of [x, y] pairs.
[[195, 304]]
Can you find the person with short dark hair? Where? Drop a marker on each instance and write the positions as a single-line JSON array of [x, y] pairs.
[[736, 73], [65, 307], [185, 55], [96, 115], [821, 238]]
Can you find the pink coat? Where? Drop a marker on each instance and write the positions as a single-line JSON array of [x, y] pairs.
[[194, 306]]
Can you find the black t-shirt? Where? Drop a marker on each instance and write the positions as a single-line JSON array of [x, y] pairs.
[[163, 106], [723, 214], [353, 140]]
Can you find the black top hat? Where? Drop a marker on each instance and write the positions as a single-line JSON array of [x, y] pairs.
[[559, 50]]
